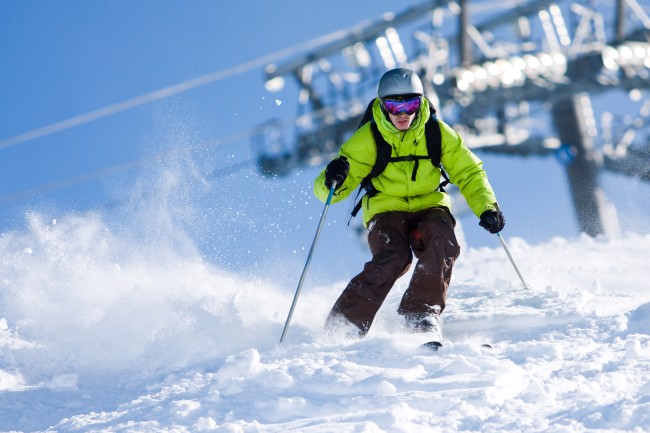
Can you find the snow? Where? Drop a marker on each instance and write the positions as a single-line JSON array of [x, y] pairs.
[[103, 331]]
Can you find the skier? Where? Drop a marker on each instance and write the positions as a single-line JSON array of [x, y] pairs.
[[405, 214]]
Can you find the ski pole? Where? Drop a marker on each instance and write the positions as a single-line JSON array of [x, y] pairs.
[[311, 252], [505, 247]]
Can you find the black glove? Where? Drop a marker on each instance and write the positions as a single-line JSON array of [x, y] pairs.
[[492, 221], [337, 170]]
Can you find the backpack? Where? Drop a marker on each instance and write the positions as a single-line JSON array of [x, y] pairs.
[[433, 139]]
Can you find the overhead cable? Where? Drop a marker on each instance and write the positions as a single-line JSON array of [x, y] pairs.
[[131, 165], [163, 93]]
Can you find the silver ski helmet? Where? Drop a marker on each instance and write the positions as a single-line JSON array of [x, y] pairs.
[[400, 81]]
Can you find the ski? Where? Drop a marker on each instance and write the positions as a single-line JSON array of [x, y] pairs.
[[435, 345]]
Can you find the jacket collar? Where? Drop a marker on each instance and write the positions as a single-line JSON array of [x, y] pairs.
[[394, 135]]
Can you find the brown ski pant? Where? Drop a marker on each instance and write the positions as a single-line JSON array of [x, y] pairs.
[[392, 237]]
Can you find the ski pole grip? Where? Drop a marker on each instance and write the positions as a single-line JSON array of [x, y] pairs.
[[331, 194]]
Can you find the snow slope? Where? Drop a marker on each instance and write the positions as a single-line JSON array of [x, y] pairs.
[[102, 331]]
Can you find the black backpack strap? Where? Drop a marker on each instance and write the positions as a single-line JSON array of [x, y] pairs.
[[434, 140], [434, 146], [383, 152], [383, 158], [444, 183], [367, 116], [415, 158]]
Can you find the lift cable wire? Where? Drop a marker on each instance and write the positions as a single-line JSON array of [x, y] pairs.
[[131, 165], [167, 91]]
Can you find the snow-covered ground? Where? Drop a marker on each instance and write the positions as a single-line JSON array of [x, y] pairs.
[[103, 332]]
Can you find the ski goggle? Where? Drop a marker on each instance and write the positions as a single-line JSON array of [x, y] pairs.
[[397, 106]]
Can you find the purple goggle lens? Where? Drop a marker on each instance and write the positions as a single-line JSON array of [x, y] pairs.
[[397, 106]]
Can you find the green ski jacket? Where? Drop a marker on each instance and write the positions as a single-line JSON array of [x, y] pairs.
[[397, 190]]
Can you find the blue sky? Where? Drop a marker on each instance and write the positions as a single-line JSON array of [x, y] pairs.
[[66, 58]]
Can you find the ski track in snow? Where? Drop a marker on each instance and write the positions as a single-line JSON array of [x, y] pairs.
[[187, 348]]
